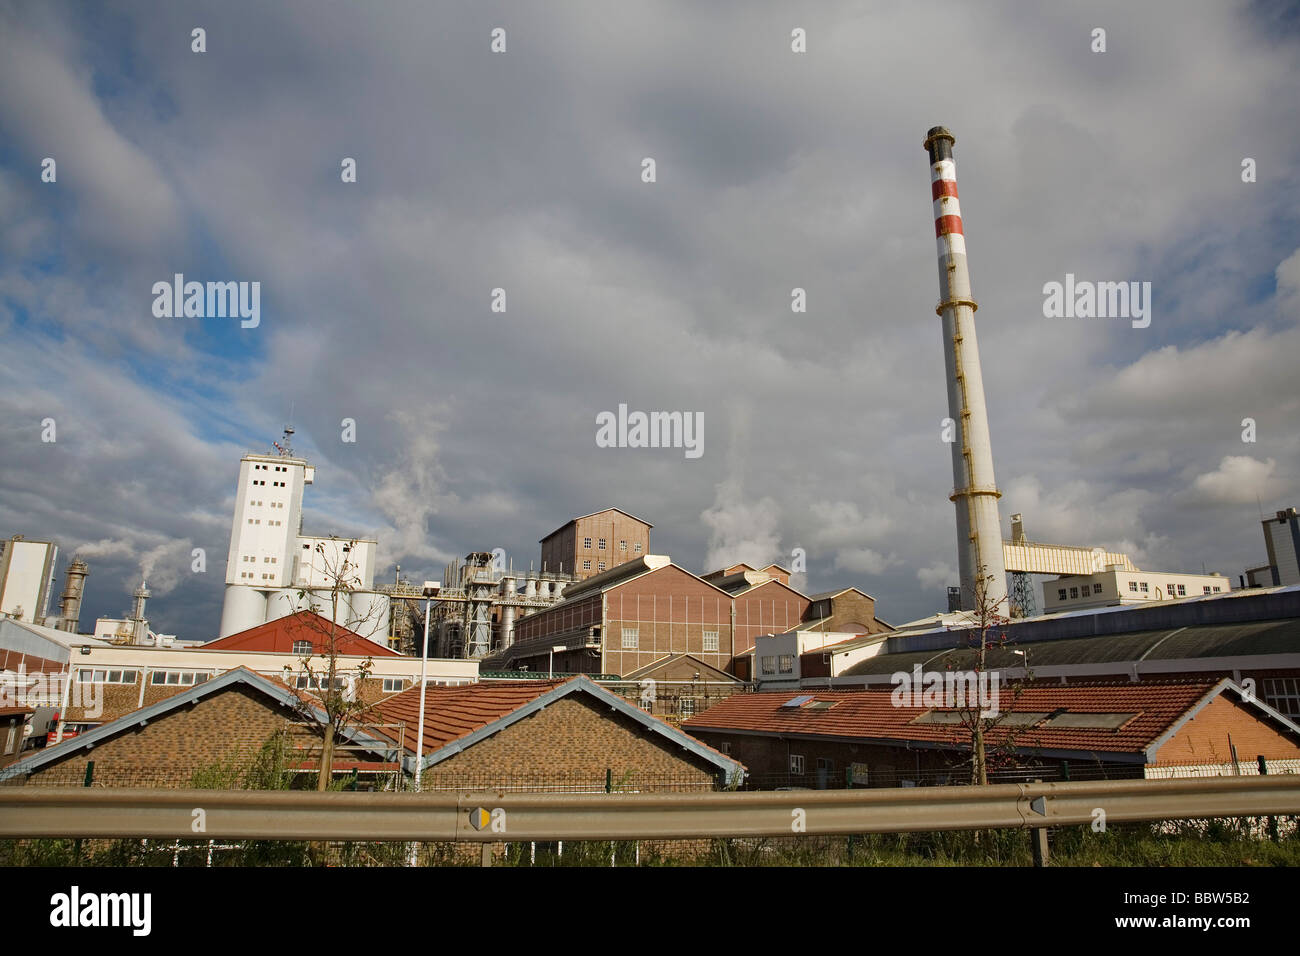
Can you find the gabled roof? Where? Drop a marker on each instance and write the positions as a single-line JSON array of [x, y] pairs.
[[740, 592], [1154, 709], [836, 593], [278, 637], [279, 693], [592, 515], [708, 670], [456, 718]]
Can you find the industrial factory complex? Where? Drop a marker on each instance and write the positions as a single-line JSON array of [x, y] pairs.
[[602, 628]]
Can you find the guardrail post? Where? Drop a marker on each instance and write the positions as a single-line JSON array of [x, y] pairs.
[[485, 855], [1042, 854], [1038, 843]]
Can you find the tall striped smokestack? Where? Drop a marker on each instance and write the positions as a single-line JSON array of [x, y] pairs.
[[975, 493]]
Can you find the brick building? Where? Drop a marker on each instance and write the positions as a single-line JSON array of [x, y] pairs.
[[597, 542], [624, 619], [551, 734], [1151, 728], [632, 615], [225, 720]]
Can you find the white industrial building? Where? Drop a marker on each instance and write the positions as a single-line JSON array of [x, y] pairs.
[[1282, 536], [26, 578], [1117, 585], [271, 561]]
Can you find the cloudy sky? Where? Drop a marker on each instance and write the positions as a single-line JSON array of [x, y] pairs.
[[522, 170]]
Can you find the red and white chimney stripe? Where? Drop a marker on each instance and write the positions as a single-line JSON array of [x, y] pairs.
[[947, 209]]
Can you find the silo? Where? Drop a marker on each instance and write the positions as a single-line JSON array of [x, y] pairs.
[[370, 615], [244, 607]]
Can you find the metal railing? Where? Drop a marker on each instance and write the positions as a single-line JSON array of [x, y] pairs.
[[498, 816]]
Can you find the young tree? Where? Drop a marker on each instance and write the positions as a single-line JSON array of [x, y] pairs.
[[327, 627], [988, 631]]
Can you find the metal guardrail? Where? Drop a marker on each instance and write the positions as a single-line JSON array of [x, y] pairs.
[[496, 816]]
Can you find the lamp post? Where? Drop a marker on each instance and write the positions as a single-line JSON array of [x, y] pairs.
[[550, 659], [430, 591]]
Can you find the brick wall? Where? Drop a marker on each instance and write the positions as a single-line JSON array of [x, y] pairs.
[[574, 739], [165, 752], [1204, 738], [670, 609], [770, 608]]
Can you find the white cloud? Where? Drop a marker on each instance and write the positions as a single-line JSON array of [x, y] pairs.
[[1239, 479]]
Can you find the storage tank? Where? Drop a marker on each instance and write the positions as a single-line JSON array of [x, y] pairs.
[[244, 607], [370, 614]]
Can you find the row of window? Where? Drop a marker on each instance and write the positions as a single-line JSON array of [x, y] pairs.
[[797, 764], [179, 678], [269, 523], [1137, 587], [250, 575], [257, 467], [274, 484], [586, 565], [87, 676], [771, 663], [600, 545]]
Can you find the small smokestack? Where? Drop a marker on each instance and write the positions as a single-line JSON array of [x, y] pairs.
[[141, 629], [975, 493], [70, 601]]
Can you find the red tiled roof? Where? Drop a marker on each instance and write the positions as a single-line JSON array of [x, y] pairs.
[[871, 715], [454, 712], [278, 636]]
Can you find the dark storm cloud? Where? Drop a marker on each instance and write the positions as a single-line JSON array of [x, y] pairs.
[[522, 171]]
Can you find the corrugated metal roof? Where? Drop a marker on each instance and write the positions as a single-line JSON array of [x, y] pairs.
[[1166, 644]]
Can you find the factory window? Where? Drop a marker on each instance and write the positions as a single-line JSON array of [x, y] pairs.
[[1074, 592], [1143, 586], [1132, 585], [601, 566], [622, 546], [1206, 589], [586, 565], [1182, 590], [786, 663], [1216, 590], [179, 678], [1096, 589], [106, 677], [796, 764], [725, 747], [631, 637], [600, 544], [1171, 589], [637, 547], [1060, 594], [393, 684], [710, 640], [825, 763], [686, 706], [586, 544], [1283, 694], [769, 664]]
